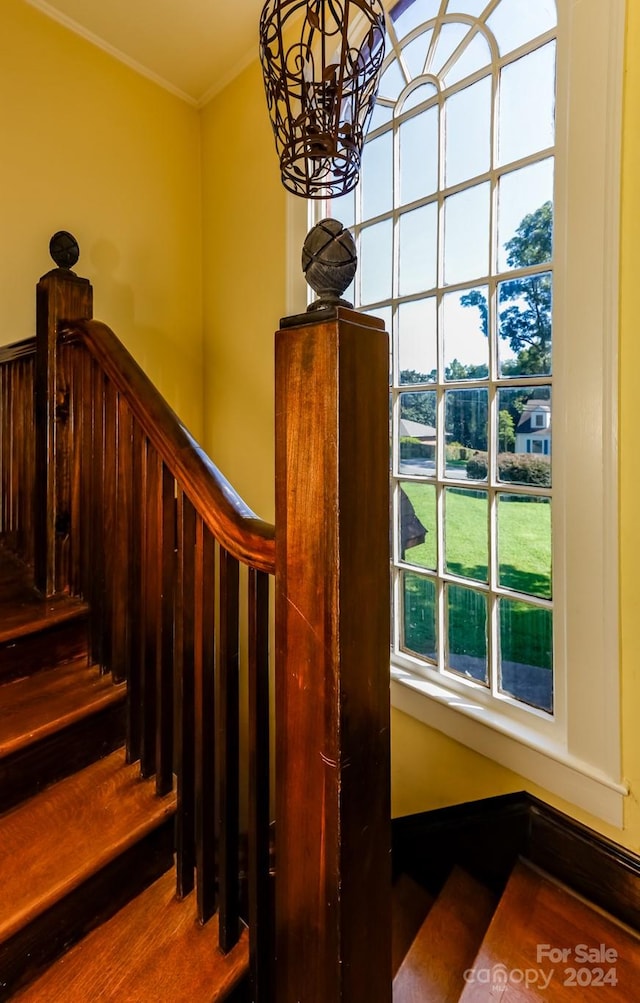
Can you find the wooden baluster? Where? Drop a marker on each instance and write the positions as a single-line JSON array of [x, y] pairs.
[[332, 642], [4, 445], [165, 683], [227, 758], [60, 295], [77, 416], [109, 525], [205, 766], [137, 635], [96, 551], [64, 444], [151, 611], [185, 716], [261, 941], [122, 543]]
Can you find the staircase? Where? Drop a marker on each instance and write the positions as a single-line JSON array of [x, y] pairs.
[[138, 701], [88, 846], [89, 908], [538, 940], [497, 926]]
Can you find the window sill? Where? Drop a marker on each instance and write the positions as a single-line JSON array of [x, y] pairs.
[[493, 735]]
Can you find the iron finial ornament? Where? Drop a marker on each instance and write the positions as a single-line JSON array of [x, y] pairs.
[[321, 79], [329, 263], [63, 248]]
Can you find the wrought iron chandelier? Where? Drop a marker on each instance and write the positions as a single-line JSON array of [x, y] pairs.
[[321, 61]]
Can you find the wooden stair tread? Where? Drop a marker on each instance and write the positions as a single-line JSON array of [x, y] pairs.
[[24, 611], [54, 841], [535, 910], [410, 903], [153, 949], [446, 944], [39, 705]]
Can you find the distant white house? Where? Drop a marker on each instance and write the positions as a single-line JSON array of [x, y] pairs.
[[533, 431]]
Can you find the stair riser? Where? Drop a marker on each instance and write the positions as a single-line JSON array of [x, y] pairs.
[[44, 649], [32, 769], [101, 896]]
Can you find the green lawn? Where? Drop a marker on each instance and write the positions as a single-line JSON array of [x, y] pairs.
[[524, 554]]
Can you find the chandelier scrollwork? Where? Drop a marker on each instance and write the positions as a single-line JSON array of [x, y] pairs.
[[321, 85]]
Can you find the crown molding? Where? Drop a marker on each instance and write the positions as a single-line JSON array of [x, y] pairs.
[[89, 36]]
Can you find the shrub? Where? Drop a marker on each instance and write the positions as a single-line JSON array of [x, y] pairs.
[[519, 468], [411, 449], [456, 451]]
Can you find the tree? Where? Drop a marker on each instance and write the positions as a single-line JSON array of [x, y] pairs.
[[506, 432], [525, 319]]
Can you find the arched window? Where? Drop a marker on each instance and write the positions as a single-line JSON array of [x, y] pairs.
[[474, 218]]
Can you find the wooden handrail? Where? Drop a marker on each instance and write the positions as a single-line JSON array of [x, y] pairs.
[[17, 350], [239, 530]]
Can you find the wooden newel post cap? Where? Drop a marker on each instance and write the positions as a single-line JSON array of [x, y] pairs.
[[64, 249], [329, 262]]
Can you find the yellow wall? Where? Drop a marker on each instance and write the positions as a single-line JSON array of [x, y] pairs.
[[88, 145], [629, 466], [244, 219]]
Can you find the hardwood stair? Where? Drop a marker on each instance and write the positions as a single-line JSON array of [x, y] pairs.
[[546, 942], [538, 940], [88, 907], [69, 849], [152, 950], [446, 943]]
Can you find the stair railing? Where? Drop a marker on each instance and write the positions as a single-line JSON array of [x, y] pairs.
[[141, 523], [17, 448]]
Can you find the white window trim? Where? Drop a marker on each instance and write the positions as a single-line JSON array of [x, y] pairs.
[[580, 760], [577, 758]]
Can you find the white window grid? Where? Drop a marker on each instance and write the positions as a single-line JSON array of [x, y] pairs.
[[492, 590]]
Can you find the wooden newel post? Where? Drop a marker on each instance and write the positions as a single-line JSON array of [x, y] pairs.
[[60, 296], [332, 640]]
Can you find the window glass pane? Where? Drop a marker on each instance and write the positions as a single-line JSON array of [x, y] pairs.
[[467, 632], [381, 116], [419, 156], [466, 346], [392, 82], [466, 235], [417, 96], [407, 14], [525, 216], [473, 57], [417, 341], [524, 436], [419, 606], [468, 133], [450, 37], [473, 7], [418, 239], [375, 262], [467, 533], [417, 432], [527, 105], [525, 325], [466, 425], [526, 653], [515, 22], [377, 176], [415, 53], [417, 516], [343, 208], [524, 544]]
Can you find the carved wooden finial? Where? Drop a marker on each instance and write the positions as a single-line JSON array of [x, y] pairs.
[[329, 262], [63, 248]]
